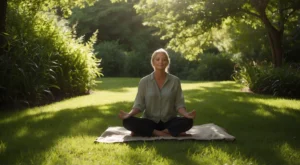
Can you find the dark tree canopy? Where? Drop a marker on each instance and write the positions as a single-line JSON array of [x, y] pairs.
[[188, 23]]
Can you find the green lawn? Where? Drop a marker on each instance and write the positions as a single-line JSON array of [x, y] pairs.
[[266, 129]]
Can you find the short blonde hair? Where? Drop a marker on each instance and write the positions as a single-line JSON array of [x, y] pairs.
[[163, 51]]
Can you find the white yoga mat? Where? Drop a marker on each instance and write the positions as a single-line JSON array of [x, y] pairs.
[[198, 132]]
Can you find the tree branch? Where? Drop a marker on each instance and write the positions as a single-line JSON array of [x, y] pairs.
[[294, 8], [292, 12], [260, 5], [250, 13], [282, 19], [3, 8]]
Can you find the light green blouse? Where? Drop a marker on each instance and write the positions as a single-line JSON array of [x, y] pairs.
[[159, 104]]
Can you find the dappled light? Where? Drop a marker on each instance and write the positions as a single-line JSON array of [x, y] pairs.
[[86, 122], [67, 128], [22, 132], [217, 155], [293, 153], [264, 113], [117, 153], [277, 102]]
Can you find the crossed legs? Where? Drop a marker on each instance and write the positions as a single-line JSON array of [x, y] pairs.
[[145, 127]]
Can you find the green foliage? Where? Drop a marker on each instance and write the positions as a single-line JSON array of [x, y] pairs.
[[43, 61], [282, 82], [112, 57], [137, 64], [292, 41], [187, 25], [244, 45], [191, 25], [117, 62], [246, 74], [124, 44], [209, 66], [212, 67], [180, 66], [114, 21], [34, 6]]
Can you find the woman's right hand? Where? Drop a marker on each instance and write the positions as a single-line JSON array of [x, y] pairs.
[[123, 115], [191, 115]]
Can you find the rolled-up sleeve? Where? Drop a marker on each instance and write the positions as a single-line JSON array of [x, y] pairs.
[[139, 102], [179, 101]]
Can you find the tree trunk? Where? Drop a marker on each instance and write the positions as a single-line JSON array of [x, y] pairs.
[[275, 35], [3, 7], [275, 40], [276, 47]]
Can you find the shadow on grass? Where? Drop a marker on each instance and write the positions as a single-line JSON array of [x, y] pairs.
[[260, 129], [32, 134]]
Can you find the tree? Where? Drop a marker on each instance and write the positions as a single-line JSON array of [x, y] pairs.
[[115, 22], [242, 46], [122, 41], [3, 7], [189, 22]]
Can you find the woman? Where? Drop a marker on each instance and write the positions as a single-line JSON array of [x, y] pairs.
[[160, 98]]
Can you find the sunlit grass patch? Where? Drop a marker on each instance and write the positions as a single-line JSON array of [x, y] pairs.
[[264, 113], [217, 156], [22, 132], [89, 153], [288, 153]]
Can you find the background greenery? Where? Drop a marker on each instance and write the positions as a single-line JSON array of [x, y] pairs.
[[53, 49]]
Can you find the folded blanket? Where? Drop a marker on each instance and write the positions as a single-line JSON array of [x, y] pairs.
[[198, 132]]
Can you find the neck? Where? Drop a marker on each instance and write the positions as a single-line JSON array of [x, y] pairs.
[[160, 74]]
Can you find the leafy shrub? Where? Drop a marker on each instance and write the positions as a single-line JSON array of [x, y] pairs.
[[212, 67], [283, 82], [180, 66], [246, 74], [112, 58], [137, 64], [43, 61]]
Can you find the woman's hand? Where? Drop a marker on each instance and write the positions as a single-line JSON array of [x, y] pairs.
[[123, 115], [189, 115]]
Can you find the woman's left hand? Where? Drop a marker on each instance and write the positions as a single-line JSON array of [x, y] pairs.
[[123, 115], [190, 115]]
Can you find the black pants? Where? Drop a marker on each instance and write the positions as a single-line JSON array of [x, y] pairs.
[[145, 127]]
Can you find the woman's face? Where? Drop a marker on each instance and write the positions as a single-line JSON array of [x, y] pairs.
[[160, 61]]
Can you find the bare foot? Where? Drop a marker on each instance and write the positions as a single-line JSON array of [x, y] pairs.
[[160, 133], [181, 134], [133, 134], [166, 131]]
